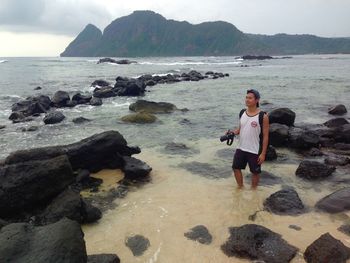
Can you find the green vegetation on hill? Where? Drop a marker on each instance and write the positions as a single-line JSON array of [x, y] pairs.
[[145, 33]]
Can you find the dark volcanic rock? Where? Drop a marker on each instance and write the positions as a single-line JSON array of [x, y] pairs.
[[282, 116], [137, 244], [152, 107], [327, 249], [104, 92], [60, 98], [30, 106], [337, 160], [284, 202], [103, 258], [345, 229], [95, 101], [2, 127], [81, 99], [337, 122], [37, 88], [258, 243], [80, 120], [252, 57], [278, 134], [62, 242], [342, 134], [314, 170], [100, 151], [131, 87], [100, 83], [315, 152], [28, 184], [338, 110], [69, 204], [271, 153], [303, 140], [199, 233], [135, 169], [54, 117], [336, 202], [111, 60]]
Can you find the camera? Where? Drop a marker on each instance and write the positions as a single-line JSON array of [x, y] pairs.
[[228, 138]]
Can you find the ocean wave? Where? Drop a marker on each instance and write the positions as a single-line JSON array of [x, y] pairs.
[[116, 104], [3, 61], [92, 60]]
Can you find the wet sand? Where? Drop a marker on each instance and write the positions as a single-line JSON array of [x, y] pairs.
[[177, 200]]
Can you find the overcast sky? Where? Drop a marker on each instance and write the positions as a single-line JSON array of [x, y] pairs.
[[46, 27]]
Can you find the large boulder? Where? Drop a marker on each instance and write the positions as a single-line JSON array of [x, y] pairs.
[[105, 92], [135, 169], [342, 134], [69, 204], [313, 170], [61, 242], [337, 122], [132, 87], [284, 202], [258, 243], [278, 134], [32, 105], [60, 98], [303, 139], [140, 117], [54, 117], [327, 249], [100, 151], [24, 186], [282, 116], [339, 109], [336, 202], [152, 107], [81, 98]]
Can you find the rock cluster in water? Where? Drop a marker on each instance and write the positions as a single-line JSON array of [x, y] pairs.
[[40, 201], [34, 106]]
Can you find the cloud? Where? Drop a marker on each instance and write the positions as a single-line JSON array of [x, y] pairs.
[[67, 17]]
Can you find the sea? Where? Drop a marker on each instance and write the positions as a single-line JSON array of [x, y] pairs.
[[191, 184]]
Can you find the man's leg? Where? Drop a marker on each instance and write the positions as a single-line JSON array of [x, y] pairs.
[[239, 178], [255, 180]]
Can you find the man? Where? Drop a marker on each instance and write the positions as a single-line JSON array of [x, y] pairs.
[[253, 139]]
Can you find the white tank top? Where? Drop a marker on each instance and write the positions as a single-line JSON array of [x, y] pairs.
[[249, 140]]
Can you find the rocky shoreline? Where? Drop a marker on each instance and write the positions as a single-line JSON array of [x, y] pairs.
[[40, 194], [32, 107], [40, 188]]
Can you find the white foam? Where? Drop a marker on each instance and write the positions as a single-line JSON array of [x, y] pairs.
[[3, 61], [116, 104], [155, 255]]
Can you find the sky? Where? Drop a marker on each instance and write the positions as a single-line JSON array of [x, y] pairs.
[[46, 27]]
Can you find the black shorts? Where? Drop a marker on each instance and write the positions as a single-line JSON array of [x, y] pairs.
[[241, 158]]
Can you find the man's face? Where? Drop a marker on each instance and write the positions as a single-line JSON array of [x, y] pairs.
[[250, 100]]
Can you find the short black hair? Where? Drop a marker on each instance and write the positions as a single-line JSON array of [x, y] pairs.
[[256, 95]]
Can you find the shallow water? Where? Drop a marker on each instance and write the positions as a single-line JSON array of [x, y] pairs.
[[177, 199]]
